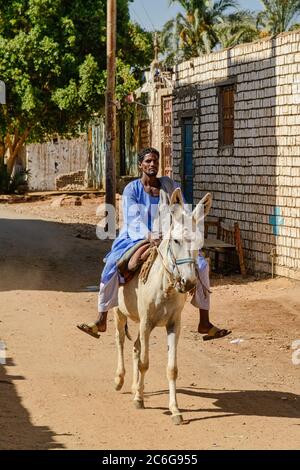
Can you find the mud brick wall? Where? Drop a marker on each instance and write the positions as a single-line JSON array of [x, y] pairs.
[[257, 180]]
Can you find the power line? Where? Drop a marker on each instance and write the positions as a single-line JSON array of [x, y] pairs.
[[138, 18], [154, 29]]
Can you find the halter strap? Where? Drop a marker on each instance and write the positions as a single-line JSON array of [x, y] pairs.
[[184, 261], [176, 262], [171, 276]]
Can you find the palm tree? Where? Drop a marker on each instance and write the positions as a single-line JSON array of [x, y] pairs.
[[294, 27], [237, 28], [193, 32], [278, 15]]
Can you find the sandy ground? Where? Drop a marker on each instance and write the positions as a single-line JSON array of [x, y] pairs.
[[56, 388]]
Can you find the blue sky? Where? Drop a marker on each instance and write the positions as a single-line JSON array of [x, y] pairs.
[[152, 14]]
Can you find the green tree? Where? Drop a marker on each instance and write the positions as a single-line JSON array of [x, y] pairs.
[[294, 27], [136, 48], [278, 15], [53, 61], [193, 32], [237, 28]]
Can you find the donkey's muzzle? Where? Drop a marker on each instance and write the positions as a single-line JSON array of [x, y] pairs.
[[185, 285]]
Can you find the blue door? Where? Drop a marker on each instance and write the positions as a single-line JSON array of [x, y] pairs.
[[188, 173]]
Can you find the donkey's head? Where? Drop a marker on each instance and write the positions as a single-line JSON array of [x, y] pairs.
[[183, 235]]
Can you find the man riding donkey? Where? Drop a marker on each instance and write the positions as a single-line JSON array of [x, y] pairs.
[[144, 193]]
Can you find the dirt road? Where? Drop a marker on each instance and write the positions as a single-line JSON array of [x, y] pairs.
[[56, 388]]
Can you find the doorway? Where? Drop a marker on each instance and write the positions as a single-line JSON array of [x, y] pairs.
[[187, 167]]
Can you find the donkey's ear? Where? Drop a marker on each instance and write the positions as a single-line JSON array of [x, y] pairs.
[[164, 199], [202, 208], [177, 197], [207, 203], [162, 220], [177, 204]]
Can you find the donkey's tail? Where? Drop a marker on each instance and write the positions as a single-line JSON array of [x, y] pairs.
[[127, 332]]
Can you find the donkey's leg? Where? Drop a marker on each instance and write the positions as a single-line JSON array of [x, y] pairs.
[[136, 358], [120, 322], [173, 331], [143, 364]]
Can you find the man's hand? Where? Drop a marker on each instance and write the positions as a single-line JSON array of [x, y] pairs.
[[154, 239]]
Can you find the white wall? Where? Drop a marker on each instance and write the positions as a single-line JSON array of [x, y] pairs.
[[47, 161]]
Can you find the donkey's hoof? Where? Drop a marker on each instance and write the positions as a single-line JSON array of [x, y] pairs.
[[177, 419], [139, 404], [118, 384]]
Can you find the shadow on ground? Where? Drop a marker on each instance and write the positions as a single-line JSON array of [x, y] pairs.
[[43, 255], [17, 430], [267, 403]]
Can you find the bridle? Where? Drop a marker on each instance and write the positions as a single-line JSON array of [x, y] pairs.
[[174, 279]]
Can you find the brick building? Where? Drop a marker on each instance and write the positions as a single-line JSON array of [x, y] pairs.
[[236, 134]]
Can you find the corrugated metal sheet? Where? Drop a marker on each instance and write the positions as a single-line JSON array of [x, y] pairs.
[[131, 143], [96, 155], [126, 149]]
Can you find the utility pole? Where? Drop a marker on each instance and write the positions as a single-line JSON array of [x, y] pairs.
[[2, 140], [2, 93], [110, 105]]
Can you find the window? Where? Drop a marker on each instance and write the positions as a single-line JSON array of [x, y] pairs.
[[226, 115]]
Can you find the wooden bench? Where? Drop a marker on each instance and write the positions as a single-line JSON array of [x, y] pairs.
[[224, 239]]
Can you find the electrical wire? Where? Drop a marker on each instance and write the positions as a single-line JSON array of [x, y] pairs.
[[154, 29], [138, 18]]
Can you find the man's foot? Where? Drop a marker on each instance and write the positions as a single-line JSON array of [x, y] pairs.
[[90, 329], [93, 329], [101, 323], [212, 332]]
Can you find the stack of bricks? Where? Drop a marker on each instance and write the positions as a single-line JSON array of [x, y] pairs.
[[74, 180], [256, 181]]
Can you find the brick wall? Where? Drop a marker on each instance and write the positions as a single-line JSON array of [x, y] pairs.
[[74, 180], [256, 181]]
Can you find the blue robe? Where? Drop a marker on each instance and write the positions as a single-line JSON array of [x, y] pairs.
[[139, 210]]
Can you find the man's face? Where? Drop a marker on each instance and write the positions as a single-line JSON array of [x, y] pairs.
[[150, 164]]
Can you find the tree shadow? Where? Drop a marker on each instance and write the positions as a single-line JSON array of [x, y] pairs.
[[17, 430], [266, 403], [44, 255]]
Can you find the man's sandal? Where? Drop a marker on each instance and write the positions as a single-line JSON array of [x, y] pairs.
[[90, 329], [215, 333]]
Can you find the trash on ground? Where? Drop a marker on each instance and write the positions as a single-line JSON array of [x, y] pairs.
[[236, 341]]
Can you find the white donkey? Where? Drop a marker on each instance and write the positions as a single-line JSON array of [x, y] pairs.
[[160, 301]]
